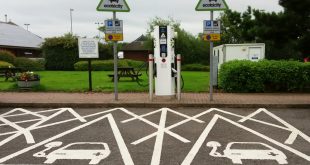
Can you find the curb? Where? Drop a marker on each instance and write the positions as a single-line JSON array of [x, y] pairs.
[[149, 105]]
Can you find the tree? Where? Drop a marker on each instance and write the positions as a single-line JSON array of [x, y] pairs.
[[273, 29], [298, 14]]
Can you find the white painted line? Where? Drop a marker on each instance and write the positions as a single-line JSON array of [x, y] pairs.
[[190, 157], [65, 121], [159, 138], [25, 112], [20, 122], [144, 139], [250, 116], [123, 149], [295, 132], [193, 152], [182, 139], [21, 131], [120, 141], [79, 117], [186, 116], [291, 139], [145, 115]]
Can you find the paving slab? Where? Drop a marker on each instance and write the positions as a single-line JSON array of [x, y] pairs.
[[223, 100]]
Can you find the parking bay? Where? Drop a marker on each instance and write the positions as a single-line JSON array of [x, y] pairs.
[[154, 136]]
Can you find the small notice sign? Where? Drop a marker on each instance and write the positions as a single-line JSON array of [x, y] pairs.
[[114, 37], [114, 30], [211, 27], [88, 48], [212, 37]]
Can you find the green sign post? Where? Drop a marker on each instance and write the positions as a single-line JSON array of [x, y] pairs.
[[211, 5], [114, 6]]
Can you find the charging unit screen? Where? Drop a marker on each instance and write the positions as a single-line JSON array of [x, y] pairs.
[[163, 41]]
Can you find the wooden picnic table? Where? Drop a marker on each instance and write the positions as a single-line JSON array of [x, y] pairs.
[[126, 72], [9, 72]]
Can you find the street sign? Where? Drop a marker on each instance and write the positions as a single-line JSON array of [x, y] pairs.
[[114, 37], [113, 27], [211, 27], [88, 48], [113, 5], [211, 5], [114, 30], [212, 37]]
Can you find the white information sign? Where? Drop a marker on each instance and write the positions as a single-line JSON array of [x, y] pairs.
[[88, 48], [211, 27], [113, 27], [113, 5], [209, 5]]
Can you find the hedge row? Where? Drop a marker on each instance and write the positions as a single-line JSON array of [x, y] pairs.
[[4, 64], [264, 76], [195, 67], [29, 65], [7, 56], [106, 65]]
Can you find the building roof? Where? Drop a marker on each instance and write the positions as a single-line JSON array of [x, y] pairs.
[[136, 45], [12, 35]]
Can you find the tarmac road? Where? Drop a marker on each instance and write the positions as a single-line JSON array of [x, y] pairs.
[[155, 136]]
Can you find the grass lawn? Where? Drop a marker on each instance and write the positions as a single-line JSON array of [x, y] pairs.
[[75, 81]]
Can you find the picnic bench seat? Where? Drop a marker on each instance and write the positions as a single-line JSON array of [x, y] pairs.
[[133, 76], [126, 72]]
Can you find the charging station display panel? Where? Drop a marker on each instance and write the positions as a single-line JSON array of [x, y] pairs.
[[163, 33]]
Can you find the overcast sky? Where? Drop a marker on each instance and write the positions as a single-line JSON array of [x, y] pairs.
[[48, 18]]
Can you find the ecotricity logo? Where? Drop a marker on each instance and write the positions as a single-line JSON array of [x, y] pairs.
[[209, 4], [112, 5]]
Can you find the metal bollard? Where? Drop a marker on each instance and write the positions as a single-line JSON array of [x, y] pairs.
[[179, 77], [151, 63]]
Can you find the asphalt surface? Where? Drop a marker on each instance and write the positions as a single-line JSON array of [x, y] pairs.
[[155, 136]]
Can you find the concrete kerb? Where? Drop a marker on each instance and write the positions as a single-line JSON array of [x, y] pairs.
[[149, 105]]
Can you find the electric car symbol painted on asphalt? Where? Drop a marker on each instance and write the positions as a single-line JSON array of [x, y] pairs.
[[80, 150], [265, 152]]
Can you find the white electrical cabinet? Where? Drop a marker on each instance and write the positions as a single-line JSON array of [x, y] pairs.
[[229, 52]]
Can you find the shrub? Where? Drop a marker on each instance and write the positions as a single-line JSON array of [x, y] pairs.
[[4, 64], [7, 56], [264, 76], [195, 67], [106, 65], [28, 64], [61, 53]]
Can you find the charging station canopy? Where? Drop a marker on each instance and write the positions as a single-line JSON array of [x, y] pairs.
[[211, 5], [113, 5]]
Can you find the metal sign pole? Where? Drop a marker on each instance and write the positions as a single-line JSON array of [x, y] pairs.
[[115, 64], [211, 62], [89, 75], [151, 63]]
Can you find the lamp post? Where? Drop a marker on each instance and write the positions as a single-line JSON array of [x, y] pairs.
[[27, 24], [71, 10], [98, 23]]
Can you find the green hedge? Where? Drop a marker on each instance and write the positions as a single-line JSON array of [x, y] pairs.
[[7, 56], [29, 65], [195, 67], [61, 53], [4, 64], [106, 65], [264, 76]]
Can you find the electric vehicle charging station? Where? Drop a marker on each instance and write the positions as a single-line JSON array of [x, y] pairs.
[[166, 71]]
